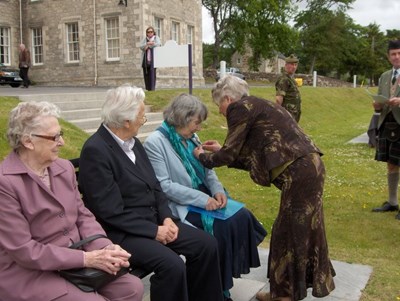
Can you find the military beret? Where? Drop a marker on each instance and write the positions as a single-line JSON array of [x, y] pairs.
[[394, 44], [291, 59]]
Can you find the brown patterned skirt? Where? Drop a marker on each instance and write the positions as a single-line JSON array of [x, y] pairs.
[[299, 256]]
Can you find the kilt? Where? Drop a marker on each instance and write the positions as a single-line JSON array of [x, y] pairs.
[[388, 143]]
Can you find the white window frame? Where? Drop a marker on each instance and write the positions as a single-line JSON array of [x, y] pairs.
[[73, 45], [158, 25], [113, 42], [175, 31], [190, 40], [5, 46], [190, 34], [37, 46]]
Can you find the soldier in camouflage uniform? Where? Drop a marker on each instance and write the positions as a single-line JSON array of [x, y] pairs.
[[287, 93]]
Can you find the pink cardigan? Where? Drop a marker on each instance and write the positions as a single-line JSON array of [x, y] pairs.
[[36, 227]]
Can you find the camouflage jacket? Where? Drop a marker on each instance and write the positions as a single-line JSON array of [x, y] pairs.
[[286, 86], [261, 136]]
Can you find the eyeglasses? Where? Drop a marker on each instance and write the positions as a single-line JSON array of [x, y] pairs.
[[54, 138], [144, 119], [149, 31]]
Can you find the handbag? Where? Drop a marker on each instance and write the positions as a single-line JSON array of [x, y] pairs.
[[90, 279]]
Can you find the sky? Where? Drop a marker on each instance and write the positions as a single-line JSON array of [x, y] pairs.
[[385, 13]]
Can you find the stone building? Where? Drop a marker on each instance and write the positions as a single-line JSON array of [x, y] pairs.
[[273, 65], [96, 42]]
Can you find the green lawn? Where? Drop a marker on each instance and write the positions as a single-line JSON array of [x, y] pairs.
[[355, 183]]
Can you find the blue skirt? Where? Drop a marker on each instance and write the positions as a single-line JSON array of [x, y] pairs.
[[238, 238]]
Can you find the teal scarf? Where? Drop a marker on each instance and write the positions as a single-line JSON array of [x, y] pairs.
[[193, 167]]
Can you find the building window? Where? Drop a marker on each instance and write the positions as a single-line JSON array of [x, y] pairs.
[[189, 34], [175, 32], [158, 24], [112, 39], [37, 46], [190, 39], [73, 42], [5, 45]]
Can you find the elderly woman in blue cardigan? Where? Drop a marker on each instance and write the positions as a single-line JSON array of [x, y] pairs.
[[186, 182]]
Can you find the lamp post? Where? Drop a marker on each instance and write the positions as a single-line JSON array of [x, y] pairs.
[[123, 2]]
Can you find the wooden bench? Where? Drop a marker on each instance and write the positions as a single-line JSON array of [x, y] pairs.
[[137, 271]]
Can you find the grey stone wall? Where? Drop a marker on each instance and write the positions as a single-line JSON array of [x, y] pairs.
[[93, 67], [270, 78], [9, 18]]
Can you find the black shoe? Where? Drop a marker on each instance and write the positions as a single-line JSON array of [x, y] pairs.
[[386, 207], [397, 216]]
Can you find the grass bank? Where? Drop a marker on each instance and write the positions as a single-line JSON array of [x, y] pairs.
[[355, 183]]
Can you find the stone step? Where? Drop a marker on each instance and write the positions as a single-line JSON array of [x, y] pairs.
[[144, 131], [72, 115], [80, 104], [65, 97], [84, 109], [154, 119], [80, 114]]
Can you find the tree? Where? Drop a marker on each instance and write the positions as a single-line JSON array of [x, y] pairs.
[[322, 33], [374, 52], [393, 34], [207, 55], [258, 25], [219, 10]]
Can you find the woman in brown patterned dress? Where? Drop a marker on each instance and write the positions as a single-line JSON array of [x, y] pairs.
[[266, 141]]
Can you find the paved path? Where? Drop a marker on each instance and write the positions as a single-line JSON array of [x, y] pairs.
[[36, 90], [350, 280], [363, 138]]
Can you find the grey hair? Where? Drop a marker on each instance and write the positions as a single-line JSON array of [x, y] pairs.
[[231, 86], [182, 109], [25, 118], [121, 104]]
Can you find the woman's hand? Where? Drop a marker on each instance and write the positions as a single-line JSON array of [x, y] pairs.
[[221, 199], [168, 232], [211, 146], [197, 151], [212, 204], [109, 259]]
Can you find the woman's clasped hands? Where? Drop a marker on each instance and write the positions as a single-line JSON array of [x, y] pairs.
[[110, 259], [217, 202], [168, 232]]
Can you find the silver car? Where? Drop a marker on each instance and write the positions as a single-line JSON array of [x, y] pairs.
[[231, 71]]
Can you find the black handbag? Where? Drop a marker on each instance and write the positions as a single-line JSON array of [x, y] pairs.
[[90, 279]]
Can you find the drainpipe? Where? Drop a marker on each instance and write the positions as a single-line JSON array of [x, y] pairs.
[[20, 21], [94, 41]]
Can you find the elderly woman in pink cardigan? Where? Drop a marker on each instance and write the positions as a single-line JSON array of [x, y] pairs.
[[42, 214]]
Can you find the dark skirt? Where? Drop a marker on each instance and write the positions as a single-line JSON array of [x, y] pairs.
[[299, 256], [238, 238], [388, 144]]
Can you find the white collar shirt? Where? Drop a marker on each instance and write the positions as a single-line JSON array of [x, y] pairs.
[[126, 145]]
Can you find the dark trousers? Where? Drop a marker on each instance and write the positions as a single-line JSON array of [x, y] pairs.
[[23, 73], [195, 279], [149, 84]]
